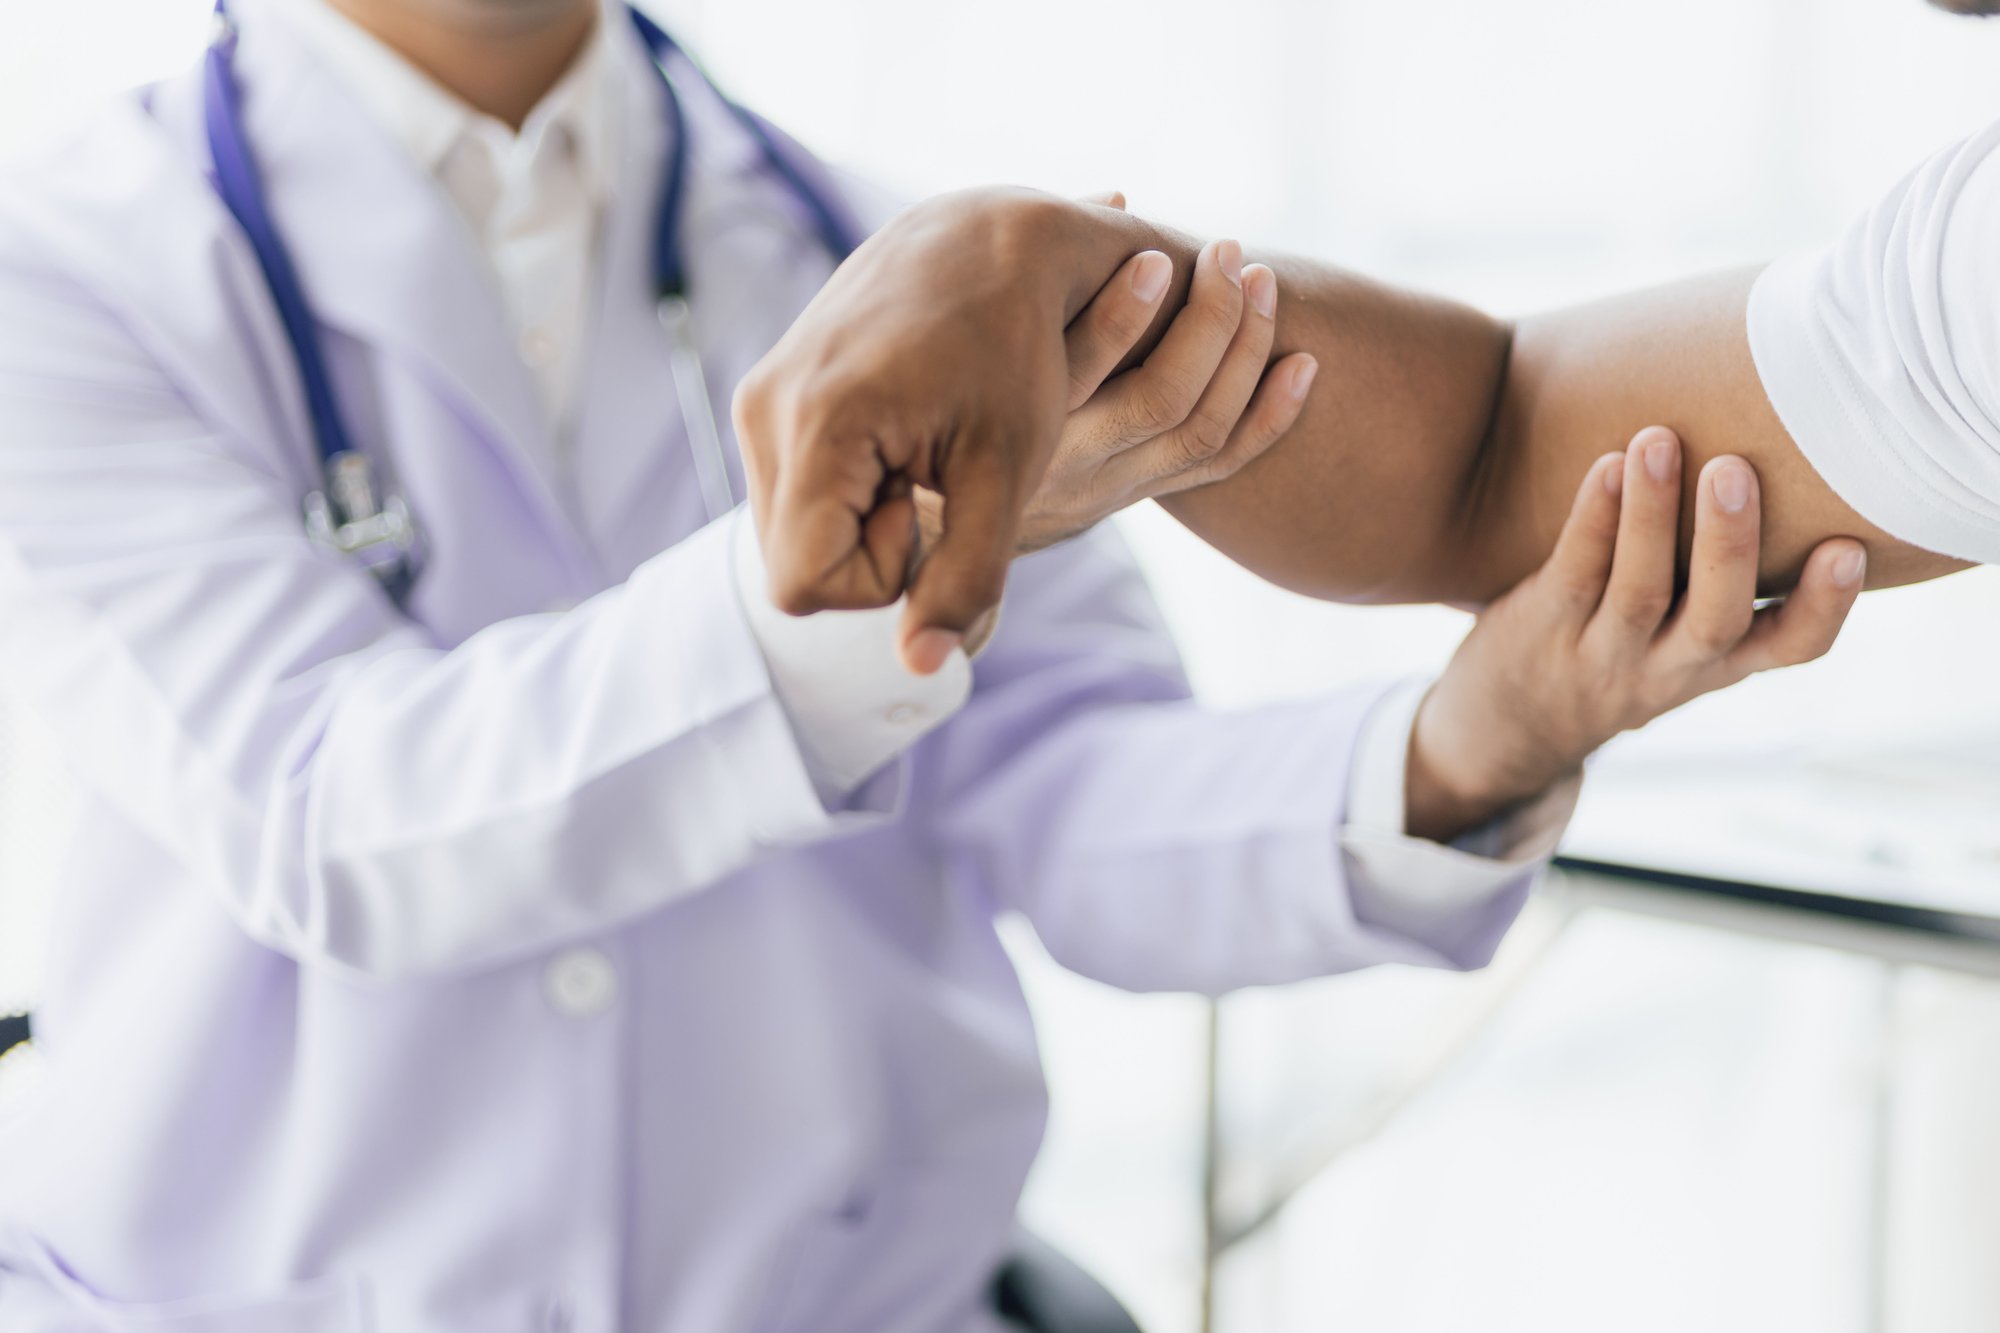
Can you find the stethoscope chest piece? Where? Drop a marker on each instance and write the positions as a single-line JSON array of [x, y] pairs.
[[352, 517]]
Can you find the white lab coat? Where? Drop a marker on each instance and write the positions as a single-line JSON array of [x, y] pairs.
[[496, 966]]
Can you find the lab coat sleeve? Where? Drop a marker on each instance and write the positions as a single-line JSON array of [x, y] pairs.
[[1158, 845], [359, 796]]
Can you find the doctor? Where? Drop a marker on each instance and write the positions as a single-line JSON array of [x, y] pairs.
[[489, 911]]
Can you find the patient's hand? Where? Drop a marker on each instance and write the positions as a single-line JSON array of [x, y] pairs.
[[1596, 642], [1195, 411]]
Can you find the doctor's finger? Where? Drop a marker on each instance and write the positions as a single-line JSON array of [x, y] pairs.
[[1722, 569], [1641, 589], [1161, 391], [1580, 565], [962, 578], [1107, 199], [1806, 623], [1105, 330]]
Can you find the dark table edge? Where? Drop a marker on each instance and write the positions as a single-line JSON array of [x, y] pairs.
[[1932, 922]]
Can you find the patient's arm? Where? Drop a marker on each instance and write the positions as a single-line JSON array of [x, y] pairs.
[[1440, 448], [1434, 460]]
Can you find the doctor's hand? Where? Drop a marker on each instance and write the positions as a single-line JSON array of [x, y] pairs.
[[936, 356], [1204, 403], [1597, 642]]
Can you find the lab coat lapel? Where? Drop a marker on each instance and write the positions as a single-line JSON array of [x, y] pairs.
[[634, 481], [386, 259], [752, 269]]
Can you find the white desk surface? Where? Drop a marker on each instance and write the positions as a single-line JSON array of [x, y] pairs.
[[1916, 826]]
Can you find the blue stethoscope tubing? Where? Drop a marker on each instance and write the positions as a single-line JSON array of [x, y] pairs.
[[348, 512]]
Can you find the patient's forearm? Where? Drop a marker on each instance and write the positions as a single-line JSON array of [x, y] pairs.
[[1441, 448], [1434, 460], [1372, 495]]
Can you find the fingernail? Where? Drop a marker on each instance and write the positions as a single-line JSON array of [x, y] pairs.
[[1230, 256], [929, 649], [1732, 488], [1660, 457], [1302, 378], [1849, 566], [1151, 275], [1614, 477], [1260, 284]]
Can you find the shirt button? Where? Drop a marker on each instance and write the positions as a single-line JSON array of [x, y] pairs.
[[538, 349], [902, 715], [580, 983]]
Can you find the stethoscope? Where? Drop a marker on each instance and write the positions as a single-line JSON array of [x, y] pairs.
[[351, 512]]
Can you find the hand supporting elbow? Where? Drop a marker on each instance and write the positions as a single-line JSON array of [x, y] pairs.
[[1597, 642]]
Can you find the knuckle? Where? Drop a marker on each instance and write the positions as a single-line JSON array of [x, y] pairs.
[[1574, 590], [1201, 438], [794, 597], [1127, 322], [1732, 547], [1218, 321], [1226, 463], [1107, 333], [1706, 645], [1161, 400], [1712, 638], [1642, 608]]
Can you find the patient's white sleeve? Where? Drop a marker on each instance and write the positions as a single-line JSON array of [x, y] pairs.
[[1881, 354]]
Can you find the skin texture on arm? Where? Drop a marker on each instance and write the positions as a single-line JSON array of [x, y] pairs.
[[1439, 452]]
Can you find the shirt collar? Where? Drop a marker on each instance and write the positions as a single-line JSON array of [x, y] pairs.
[[429, 122]]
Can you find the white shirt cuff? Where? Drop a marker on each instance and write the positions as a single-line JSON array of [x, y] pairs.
[[852, 705], [1413, 885]]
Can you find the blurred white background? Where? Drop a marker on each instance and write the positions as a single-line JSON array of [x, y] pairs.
[[1664, 1131]]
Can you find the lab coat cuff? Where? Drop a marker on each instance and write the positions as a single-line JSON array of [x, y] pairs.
[[852, 707], [1415, 887], [747, 736]]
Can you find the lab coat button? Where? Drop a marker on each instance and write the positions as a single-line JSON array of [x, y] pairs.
[[902, 715], [538, 349], [581, 983]]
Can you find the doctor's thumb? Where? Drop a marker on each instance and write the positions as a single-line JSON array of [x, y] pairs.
[[958, 584]]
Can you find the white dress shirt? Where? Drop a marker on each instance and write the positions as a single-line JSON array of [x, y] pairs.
[[534, 201]]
